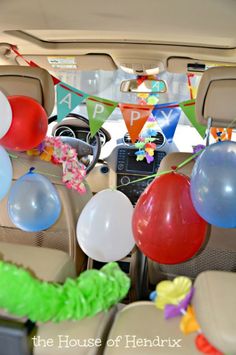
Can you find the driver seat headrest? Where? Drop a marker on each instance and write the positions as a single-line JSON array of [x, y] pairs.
[[216, 97], [28, 81]]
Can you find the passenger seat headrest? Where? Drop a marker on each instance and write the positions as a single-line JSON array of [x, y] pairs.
[[28, 81], [216, 97]]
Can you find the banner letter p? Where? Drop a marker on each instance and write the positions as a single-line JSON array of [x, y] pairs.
[[98, 109], [135, 116]]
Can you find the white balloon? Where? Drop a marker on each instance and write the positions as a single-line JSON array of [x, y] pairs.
[[5, 173], [104, 229], [5, 115]]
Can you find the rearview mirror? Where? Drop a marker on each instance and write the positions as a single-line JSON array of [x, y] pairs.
[[153, 86]]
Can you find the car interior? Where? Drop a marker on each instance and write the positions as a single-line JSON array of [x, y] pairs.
[[98, 47]]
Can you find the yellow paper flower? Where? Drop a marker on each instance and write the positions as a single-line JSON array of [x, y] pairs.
[[151, 125], [172, 292], [143, 95], [150, 151], [140, 157], [33, 152], [152, 100], [194, 92], [188, 322], [47, 154]]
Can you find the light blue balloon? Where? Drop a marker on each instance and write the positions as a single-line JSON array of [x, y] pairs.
[[34, 204], [213, 184], [5, 173]]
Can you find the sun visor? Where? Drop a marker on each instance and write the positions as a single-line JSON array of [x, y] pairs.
[[189, 65], [86, 62]]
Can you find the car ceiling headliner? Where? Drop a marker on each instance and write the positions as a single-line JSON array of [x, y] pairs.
[[210, 23]]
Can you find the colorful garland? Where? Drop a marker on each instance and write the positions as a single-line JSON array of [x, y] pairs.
[[93, 291], [145, 149], [145, 144], [52, 149], [174, 297]]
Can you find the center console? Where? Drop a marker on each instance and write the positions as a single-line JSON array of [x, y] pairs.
[[129, 169]]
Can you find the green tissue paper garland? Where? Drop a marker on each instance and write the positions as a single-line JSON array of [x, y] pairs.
[[93, 291]]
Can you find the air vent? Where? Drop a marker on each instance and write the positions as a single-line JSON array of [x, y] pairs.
[[127, 139], [159, 139]]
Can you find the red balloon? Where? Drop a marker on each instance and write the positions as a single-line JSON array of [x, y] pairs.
[[29, 124], [166, 227]]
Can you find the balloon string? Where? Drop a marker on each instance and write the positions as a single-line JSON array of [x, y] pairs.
[[36, 171], [13, 156], [146, 177], [43, 173], [185, 162]]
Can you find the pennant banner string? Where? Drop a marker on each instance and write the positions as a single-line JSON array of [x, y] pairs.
[[106, 103], [14, 49], [32, 64], [71, 89], [167, 116]]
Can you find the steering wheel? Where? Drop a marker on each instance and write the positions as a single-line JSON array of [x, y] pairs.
[[82, 148]]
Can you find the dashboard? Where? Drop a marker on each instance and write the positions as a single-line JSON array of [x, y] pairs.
[[82, 133], [121, 163], [130, 172]]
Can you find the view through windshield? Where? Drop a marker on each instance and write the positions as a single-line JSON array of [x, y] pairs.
[[106, 84]]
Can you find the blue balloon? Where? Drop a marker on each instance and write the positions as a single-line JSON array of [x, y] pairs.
[[213, 184], [34, 204], [5, 173]]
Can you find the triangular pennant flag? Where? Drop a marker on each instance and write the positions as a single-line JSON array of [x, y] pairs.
[[98, 112], [67, 99], [188, 108], [167, 116], [135, 117]]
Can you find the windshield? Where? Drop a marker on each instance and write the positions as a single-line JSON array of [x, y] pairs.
[[106, 84]]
